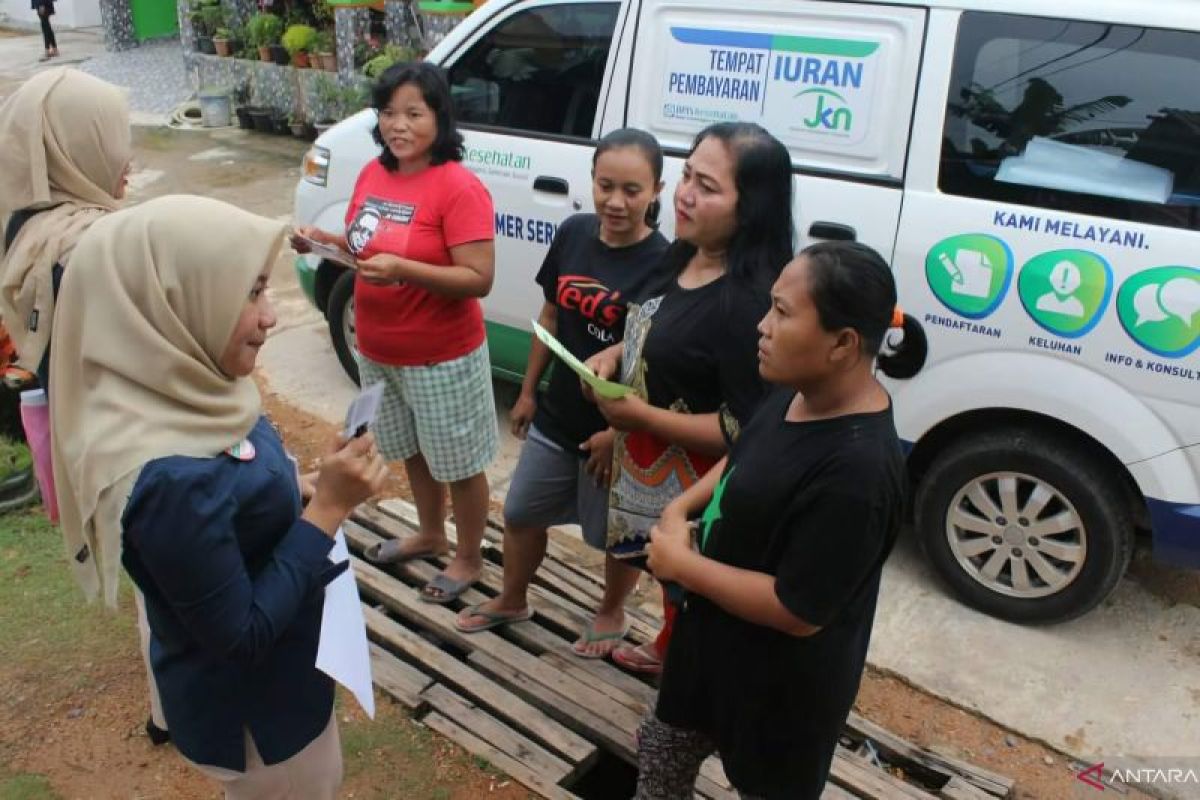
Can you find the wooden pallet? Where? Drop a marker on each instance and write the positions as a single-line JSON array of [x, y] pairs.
[[519, 698]]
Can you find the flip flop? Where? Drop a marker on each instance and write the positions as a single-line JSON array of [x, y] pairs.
[[589, 636], [389, 552], [450, 589], [638, 659], [493, 619]]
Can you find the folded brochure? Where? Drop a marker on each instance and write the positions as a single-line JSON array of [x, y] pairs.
[[606, 389]]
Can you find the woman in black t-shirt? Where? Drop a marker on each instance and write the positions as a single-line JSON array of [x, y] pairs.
[[689, 352], [597, 264], [781, 582]]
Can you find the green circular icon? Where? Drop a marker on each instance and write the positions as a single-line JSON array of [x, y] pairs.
[[1160, 310], [1066, 291], [970, 273]]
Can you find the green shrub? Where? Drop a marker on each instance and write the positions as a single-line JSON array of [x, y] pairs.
[[299, 39], [264, 30]]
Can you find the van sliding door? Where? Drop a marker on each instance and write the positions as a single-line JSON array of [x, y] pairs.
[[833, 81]]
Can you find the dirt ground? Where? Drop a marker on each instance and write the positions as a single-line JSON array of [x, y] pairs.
[[78, 724]]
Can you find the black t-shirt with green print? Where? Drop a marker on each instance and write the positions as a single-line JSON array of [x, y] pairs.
[[817, 505]]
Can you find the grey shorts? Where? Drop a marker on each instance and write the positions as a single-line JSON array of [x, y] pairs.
[[551, 487]]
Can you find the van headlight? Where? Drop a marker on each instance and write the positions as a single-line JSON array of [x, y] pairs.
[[316, 165]]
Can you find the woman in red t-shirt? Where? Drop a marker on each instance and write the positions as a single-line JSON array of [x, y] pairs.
[[421, 227]]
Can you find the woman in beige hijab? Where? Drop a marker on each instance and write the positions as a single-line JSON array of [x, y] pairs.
[[165, 463], [64, 164]]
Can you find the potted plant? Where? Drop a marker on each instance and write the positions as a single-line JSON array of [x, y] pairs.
[[298, 40], [261, 117], [263, 30], [280, 122], [221, 41], [299, 126], [353, 98], [325, 49], [237, 41], [392, 54], [327, 109], [212, 19], [241, 99]]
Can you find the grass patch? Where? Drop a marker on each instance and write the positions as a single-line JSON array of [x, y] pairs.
[[14, 457], [45, 617], [25, 787]]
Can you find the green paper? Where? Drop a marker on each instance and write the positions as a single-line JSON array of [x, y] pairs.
[[606, 389]]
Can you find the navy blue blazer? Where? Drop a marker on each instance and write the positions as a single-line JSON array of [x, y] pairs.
[[234, 585]]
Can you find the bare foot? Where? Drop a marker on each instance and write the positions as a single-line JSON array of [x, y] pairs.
[[602, 636]]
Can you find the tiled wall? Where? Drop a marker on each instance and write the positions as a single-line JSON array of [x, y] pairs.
[[285, 88], [117, 18]]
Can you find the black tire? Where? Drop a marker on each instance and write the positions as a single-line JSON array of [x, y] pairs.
[[338, 309], [1085, 490]]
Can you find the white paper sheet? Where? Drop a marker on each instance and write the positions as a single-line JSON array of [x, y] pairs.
[[342, 652]]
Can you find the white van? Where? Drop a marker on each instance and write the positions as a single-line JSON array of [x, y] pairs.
[[1031, 170]]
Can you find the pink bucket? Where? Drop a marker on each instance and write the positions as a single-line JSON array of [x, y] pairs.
[[35, 416]]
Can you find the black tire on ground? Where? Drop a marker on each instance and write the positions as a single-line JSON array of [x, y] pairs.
[[341, 303], [1076, 472]]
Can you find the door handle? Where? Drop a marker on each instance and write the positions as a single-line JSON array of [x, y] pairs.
[[543, 183], [834, 231]]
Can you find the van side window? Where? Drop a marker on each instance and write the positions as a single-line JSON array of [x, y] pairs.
[[538, 71], [1080, 116]]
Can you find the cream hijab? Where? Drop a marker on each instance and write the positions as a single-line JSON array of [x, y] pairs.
[[144, 317], [66, 144]]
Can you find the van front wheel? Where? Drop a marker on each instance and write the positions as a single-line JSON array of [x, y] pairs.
[[339, 312], [1025, 526]]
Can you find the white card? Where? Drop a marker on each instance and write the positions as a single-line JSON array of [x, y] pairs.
[[363, 410]]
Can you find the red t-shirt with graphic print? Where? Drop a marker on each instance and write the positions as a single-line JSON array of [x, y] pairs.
[[419, 217]]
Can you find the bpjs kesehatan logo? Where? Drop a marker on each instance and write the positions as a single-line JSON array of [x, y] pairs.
[[602, 307]]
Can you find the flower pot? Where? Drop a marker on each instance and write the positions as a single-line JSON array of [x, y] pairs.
[[264, 53], [245, 121], [222, 47], [300, 60], [328, 61], [299, 129], [205, 45], [280, 56], [262, 120]]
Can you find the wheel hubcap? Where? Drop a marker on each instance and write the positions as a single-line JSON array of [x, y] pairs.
[[1038, 555]]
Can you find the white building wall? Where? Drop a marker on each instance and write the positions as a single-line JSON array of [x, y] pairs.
[[69, 13]]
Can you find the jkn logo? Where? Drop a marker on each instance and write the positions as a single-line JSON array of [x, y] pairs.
[[828, 116]]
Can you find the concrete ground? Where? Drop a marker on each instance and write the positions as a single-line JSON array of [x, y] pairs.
[[154, 74], [1123, 681], [20, 50]]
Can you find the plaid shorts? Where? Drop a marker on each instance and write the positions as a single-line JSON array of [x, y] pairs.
[[445, 412]]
